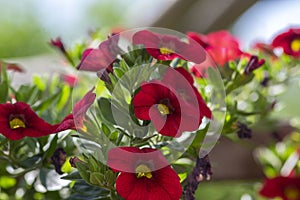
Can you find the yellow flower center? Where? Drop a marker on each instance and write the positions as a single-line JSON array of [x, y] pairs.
[[165, 50], [143, 171], [16, 123], [292, 193], [295, 45], [163, 109]]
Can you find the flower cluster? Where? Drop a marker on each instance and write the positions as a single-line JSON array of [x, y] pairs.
[[154, 108], [18, 120]]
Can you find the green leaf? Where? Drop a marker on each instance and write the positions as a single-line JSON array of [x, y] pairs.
[[65, 95], [72, 176], [105, 129], [96, 178], [93, 164], [39, 82], [83, 191], [27, 93], [3, 91], [114, 136], [104, 105], [52, 147], [118, 72], [46, 104], [240, 80], [110, 178], [7, 182], [31, 161], [83, 171], [197, 142]]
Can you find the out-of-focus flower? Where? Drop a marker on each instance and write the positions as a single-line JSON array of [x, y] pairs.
[[76, 119], [287, 188], [173, 104], [265, 80], [243, 131], [289, 41], [12, 67], [221, 45], [265, 48], [253, 64], [58, 159], [145, 174], [102, 57], [168, 47], [18, 120], [58, 44], [69, 79]]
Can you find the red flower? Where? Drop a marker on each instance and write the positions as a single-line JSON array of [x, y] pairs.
[[221, 45], [12, 66], [173, 104], [76, 119], [168, 47], [288, 188], [178, 82], [102, 57], [145, 174], [265, 48], [58, 44], [253, 64], [69, 79], [289, 41], [18, 120]]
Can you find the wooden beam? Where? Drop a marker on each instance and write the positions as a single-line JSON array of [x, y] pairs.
[[203, 15]]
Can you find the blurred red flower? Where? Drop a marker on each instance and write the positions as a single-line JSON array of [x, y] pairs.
[[145, 174], [76, 119], [265, 48], [288, 188], [168, 47], [289, 41], [69, 79], [12, 67], [253, 63], [58, 44], [18, 120], [102, 57], [173, 104], [221, 45]]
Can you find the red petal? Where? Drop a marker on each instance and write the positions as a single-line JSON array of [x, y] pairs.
[[147, 38], [93, 60], [125, 184], [201, 39], [170, 127], [168, 179], [125, 159], [222, 38]]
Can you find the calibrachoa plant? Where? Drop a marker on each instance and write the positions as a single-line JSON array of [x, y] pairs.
[[148, 106]]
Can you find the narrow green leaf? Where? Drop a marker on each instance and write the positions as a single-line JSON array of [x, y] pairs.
[[104, 105], [3, 91], [72, 176]]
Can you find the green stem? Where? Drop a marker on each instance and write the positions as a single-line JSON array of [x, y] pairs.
[[113, 195]]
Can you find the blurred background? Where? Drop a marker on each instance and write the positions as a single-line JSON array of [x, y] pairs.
[[26, 27]]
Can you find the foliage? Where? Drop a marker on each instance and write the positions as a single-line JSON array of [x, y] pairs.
[[254, 88]]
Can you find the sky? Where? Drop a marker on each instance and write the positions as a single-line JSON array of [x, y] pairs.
[[266, 19]]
